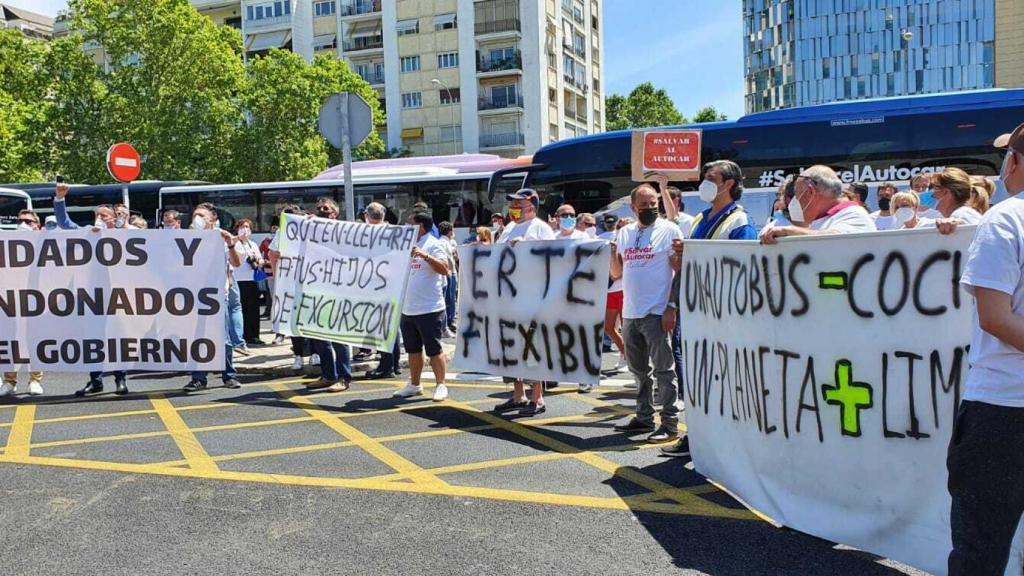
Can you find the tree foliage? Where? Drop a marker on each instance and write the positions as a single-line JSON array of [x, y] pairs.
[[645, 107], [708, 114]]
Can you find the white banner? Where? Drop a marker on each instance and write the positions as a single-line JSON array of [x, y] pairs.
[[112, 300], [534, 310], [821, 381], [341, 281]]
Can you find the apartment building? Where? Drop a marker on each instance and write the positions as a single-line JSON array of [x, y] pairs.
[[30, 24], [496, 76]]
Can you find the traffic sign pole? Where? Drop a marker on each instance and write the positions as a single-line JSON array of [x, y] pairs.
[[345, 121], [346, 154]]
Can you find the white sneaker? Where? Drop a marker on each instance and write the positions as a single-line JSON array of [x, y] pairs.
[[621, 364], [409, 391], [440, 393], [585, 388], [297, 365], [448, 333], [314, 360], [6, 389], [35, 389], [279, 339]]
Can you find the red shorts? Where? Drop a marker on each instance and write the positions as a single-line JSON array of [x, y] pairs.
[[614, 300]]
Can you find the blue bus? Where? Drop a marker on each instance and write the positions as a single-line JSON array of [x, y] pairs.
[[869, 141]]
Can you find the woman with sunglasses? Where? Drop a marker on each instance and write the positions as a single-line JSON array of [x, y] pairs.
[[954, 196]]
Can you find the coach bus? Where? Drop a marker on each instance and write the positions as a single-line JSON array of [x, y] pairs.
[[11, 203], [871, 141], [454, 187]]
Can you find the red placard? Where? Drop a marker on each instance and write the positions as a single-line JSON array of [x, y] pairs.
[[124, 162], [675, 153]]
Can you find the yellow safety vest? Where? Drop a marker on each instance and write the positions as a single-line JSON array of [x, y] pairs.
[[720, 231]]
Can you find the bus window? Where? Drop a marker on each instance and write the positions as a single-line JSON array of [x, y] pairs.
[[232, 205], [273, 201], [81, 202], [10, 206]]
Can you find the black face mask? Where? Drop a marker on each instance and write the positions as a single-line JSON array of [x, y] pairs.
[[648, 216], [883, 204]]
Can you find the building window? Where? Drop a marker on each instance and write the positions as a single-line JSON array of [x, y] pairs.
[[268, 10], [448, 60], [410, 63], [451, 133], [406, 27], [451, 96], [412, 100], [325, 8], [445, 22]]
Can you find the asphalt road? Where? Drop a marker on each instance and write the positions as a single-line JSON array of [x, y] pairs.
[[270, 480]]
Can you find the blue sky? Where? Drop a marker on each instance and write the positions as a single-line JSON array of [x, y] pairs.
[[692, 48]]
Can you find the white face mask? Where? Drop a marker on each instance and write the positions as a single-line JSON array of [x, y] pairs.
[[24, 226], [198, 223], [796, 212], [708, 191], [903, 215], [99, 223], [243, 232], [1006, 162]]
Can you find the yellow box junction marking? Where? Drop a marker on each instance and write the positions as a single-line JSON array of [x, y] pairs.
[[187, 442], [20, 437]]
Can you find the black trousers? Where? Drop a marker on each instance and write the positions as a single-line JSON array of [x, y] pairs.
[[986, 481], [249, 292]]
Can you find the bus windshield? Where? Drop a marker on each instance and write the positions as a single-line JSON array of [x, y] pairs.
[[11, 203]]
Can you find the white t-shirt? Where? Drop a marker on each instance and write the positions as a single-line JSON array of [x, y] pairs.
[[848, 219], [616, 284], [451, 248], [930, 214], [646, 272], [967, 215], [534, 229], [576, 235], [425, 291], [883, 222], [995, 261], [245, 248], [685, 222]]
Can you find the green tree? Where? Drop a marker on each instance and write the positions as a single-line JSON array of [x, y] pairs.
[[646, 106], [283, 97], [708, 114], [22, 106]]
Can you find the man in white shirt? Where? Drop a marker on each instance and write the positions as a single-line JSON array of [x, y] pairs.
[[524, 227], [884, 220], [985, 460], [388, 366], [567, 230], [819, 200], [423, 311], [642, 256]]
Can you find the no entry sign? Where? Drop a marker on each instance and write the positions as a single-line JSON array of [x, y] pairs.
[[675, 153], [124, 162]]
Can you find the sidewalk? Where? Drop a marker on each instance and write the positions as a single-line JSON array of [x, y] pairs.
[[271, 360]]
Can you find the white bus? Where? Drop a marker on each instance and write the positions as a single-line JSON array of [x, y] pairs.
[[11, 203]]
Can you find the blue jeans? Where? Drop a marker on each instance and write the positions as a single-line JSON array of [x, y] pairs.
[[335, 362], [451, 292], [97, 377], [228, 373], [233, 319]]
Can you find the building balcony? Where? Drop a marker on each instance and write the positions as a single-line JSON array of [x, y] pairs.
[[485, 64], [498, 26], [212, 4], [511, 139], [373, 78], [360, 7], [494, 103], [357, 44], [268, 23]]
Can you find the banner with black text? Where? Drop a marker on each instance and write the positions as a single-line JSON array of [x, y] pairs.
[[341, 281], [79, 300], [534, 310], [821, 380]]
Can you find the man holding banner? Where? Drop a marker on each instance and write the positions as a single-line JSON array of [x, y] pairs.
[[819, 202], [642, 256], [423, 312], [985, 460]]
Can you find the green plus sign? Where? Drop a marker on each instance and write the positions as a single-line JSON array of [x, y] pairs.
[[850, 396]]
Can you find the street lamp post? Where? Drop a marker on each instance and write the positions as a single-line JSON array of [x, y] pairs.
[[455, 147]]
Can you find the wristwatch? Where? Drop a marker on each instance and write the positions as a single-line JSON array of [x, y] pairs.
[[672, 305]]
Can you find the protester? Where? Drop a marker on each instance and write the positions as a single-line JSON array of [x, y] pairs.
[[954, 193], [300, 346], [234, 299], [497, 225], [883, 217], [613, 307], [904, 211], [451, 287], [335, 358], [981, 197], [643, 258], [106, 218], [423, 311], [138, 222], [985, 461], [204, 217], [484, 235], [122, 218], [608, 222], [819, 201], [565, 217], [171, 220], [858, 192], [780, 209], [920, 183], [587, 224], [388, 364], [50, 223], [247, 274], [524, 227], [672, 203], [28, 220], [422, 206]]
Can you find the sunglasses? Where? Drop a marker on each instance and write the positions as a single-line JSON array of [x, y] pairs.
[[26, 221]]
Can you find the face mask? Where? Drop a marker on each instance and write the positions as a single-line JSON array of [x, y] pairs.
[[648, 216], [796, 212], [24, 226], [592, 232], [1003, 170], [778, 215], [51, 226], [515, 213], [708, 191], [199, 223], [903, 215], [927, 199], [884, 203], [118, 222], [567, 222], [244, 232]]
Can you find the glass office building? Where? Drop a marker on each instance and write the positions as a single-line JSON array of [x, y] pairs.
[[806, 52]]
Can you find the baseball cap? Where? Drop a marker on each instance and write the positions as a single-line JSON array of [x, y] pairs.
[[1014, 139], [610, 218], [525, 194]]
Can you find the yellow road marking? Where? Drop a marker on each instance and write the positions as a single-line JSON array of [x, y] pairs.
[[187, 442], [374, 448], [20, 437]]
